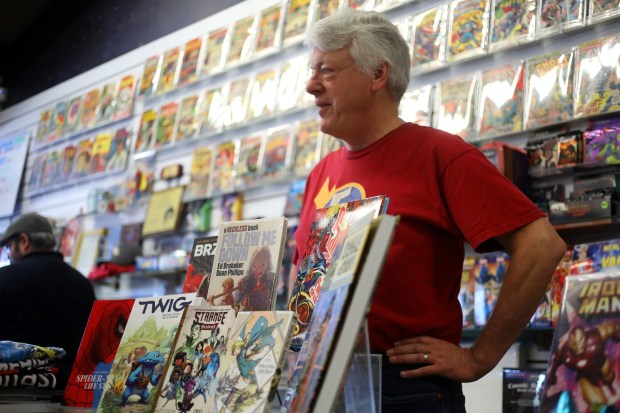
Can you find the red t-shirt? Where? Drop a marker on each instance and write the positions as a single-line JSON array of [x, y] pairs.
[[446, 193]]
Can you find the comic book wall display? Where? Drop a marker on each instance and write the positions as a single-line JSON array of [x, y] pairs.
[[169, 73], [107, 102], [200, 265], [188, 70], [269, 30], [200, 173], [223, 167], [416, 106], [513, 22], [102, 336], [124, 98], [150, 75], [585, 351], [306, 146], [429, 38], [276, 156], [295, 21], [456, 105], [256, 348], [215, 50], [198, 361], [549, 96], [329, 227], [135, 375], [146, 132], [248, 161], [187, 125], [263, 90], [469, 27], [597, 77], [501, 101], [247, 263], [602, 9], [166, 122], [558, 15], [242, 41]]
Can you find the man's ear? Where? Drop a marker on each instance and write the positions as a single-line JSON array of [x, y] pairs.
[[380, 77]]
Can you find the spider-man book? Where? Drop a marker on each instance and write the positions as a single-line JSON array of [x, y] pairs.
[[102, 336]]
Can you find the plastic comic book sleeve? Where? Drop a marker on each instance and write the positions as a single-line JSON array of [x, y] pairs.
[[169, 74], [328, 144], [146, 132], [188, 70], [213, 110], [269, 30], [83, 158], [513, 22], [74, 111], [43, 126], [101, 151], [107, 102], [416, 106], [216, 50], [262, 96], [554, 16], [585, 347], [223, 166], [246, 168], [200, 173], [429, 38], [292, 85], [166, 123], [468, 28], [242, 40], [89, 109], [306, 146], [187, 125], [150, 75], [320, 9], [549, 84], [597, 77], [276, 158], [455, 102], [124, 98], [119, 150], [57, 121], [235, 108], [200, 266], [295, 21], [602, 9], [501, 101]]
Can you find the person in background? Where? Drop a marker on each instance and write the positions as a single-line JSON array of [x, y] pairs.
[[43, 300], [446, 194]]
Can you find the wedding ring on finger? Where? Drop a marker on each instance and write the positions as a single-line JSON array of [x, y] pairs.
[[425, 357]]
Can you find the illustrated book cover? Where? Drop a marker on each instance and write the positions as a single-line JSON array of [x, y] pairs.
[[585, 351], [501, 101], [150, 75], [146, 131], [166, 123], [295, 21], [169, 70], [90, 107], [306, 146], [189, 64], [164, 211], [146, 344], [242, 40], [469, 28], [269, 30], [74, 111], [215, 50], [123, 105], [247, 263], [456, 100], [200, 173], [262, 99], [276, 157], [513, 22], [107, 101], [200, 266], [223, 167], [429, 38], [248, 161], [102, 336], [416, 106], [187, 125]]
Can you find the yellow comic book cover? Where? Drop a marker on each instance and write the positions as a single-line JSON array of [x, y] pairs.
[[150, 75], [200, 173], [101, 151], [264, 88], [188, 122], [215, 48], [169, 70], [268, 39], [144, 141], [295, 21], [469, 27]]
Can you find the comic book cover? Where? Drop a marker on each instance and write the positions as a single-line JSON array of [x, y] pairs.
[[513, 22], [223, 167], [292, 84], [198, 215], [429, 38], [294, 198], [89, 109], [235, 108], [119, 151], [601, 147], [247, 263], [200, 265], [549, 97], [242, 41], [521, 390], [256, 349], [198, 361], [557, 284], [570, 149], [456, 105], [139, 179], [320, 9], [36, 170], [269, 30], [295, 21], [57, 121], [43, 127], [124, 98], [469, 26], [74, 111], [246, 168], [328, 144], [416, 106], [102, 336], [602, 9], [83, 158], [489, 271], [601, 256], [276, 157], [542, 315], [231, 207], [101, 152], [263, 90], [166, 122], [597, 83], [189, 64], [501, 101], [215, 50], [306, 146], [329, 226], [212, 112], [200, 173], [187, 125], [51, 168], [169, 70], [585, 351], [558, 15], [107, 102], [67, 162], [135, 374], [146, 132], [466, 293], [150, 75]]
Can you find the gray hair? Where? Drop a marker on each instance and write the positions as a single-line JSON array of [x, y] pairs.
[[372, 39], [42, 240]]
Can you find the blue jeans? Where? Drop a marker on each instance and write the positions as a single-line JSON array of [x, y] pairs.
[[425, 395]]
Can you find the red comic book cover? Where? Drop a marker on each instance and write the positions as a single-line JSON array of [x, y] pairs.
[[169, 70], [428, 35], [101, 152], [214, 50], [166, 123], [150, 75], [189, 64], [89, 109], [582, 375], [200, 266], [501, 101], [468, 28], [248, 161], [57, 121], [74, 111], [124, 98], [99, 345], [187, 125], [549, 97]]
